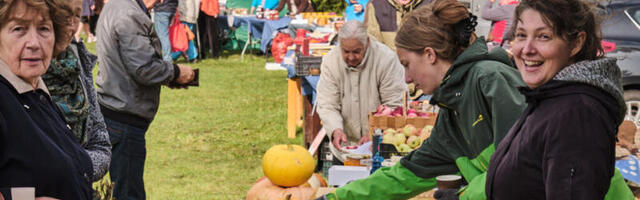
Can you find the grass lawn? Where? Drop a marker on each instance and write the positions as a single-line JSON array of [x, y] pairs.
[[207, 142]]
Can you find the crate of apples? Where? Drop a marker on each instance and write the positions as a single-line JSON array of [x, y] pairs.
[[408, 138]]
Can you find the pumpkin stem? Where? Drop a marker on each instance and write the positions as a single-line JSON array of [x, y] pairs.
[[290, 147], [288, 197]]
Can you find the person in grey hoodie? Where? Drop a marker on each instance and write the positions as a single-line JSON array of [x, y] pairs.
[[563, 145], [130, 74]]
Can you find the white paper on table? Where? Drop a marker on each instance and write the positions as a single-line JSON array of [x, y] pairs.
[[364, 149], [274, 66]]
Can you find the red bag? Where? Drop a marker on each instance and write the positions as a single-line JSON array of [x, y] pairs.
[[210, 7], [178, 35], [279, 46]]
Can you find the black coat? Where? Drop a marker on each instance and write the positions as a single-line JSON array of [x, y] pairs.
[[562, 147], [37, 149]]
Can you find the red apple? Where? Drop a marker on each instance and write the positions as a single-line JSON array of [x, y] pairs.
[[380, 108]]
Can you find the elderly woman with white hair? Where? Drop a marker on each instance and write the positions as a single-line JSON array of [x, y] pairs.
[[357, 76]]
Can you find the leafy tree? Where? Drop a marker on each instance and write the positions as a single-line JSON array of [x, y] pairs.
[[336, 6]]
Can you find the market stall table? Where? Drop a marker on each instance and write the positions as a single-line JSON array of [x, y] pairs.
[[256, 28], [301, 98]]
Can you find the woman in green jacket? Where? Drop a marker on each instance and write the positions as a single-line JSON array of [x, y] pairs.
[[476, 91]]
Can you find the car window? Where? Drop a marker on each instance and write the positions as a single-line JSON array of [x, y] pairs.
[[635, 13]]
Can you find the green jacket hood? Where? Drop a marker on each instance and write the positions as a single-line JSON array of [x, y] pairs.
[[478, 51]]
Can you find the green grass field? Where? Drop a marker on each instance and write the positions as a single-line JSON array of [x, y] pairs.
[[207, 142]]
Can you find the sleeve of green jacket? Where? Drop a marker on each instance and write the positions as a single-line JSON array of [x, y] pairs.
[[398, 181], [395, 182]]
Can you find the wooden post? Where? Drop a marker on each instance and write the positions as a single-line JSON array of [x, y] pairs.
[[294, 105]]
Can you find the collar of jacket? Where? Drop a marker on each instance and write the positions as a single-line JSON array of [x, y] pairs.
[[142, 6], [363, 63], [461, 65], [18, 83], [87, 59], [557, 88], [405, 8]]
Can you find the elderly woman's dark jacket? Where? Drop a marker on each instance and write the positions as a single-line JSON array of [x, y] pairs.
[[36, 146]]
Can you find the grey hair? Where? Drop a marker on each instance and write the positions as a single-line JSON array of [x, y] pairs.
[[354, 29]]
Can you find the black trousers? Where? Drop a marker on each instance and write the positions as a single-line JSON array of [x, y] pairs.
[[209, 35], [93, 23]]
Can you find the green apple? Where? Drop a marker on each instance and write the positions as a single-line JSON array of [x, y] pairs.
[[389, 131], [405, 148], [388, 138], [409, 130], [426, 132], [398, 139], [414, 142]]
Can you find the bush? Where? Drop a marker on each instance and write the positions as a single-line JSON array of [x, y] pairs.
[[336, 6]]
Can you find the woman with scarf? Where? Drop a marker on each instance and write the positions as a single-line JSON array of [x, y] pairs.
[[70, 84]]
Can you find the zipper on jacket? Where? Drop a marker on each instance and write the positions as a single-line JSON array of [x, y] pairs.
[[573, 171]]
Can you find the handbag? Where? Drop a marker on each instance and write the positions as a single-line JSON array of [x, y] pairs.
[[178, 35]]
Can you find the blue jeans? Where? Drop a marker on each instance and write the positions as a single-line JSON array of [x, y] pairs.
[[127, 159], [161, 22], [192, 52]]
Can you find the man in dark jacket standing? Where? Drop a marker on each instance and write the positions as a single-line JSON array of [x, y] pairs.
[[163, 13], [131, 72]]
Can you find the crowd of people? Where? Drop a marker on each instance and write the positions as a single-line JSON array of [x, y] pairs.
[[540, 123]]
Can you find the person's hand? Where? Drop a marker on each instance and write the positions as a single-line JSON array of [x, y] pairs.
[[338, 137], [364, 139], [186, 75], [446, 194], [93, 7], [46, 198], [357, 8], [353, 1], [492, 1]]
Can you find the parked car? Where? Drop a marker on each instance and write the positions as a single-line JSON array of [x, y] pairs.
[[621, 40]]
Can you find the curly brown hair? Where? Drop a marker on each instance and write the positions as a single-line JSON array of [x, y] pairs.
[[568, 18], [59, 11], [434, 26]]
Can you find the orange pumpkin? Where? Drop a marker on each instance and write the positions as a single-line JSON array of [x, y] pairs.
[[265, 190], [288, 165]]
